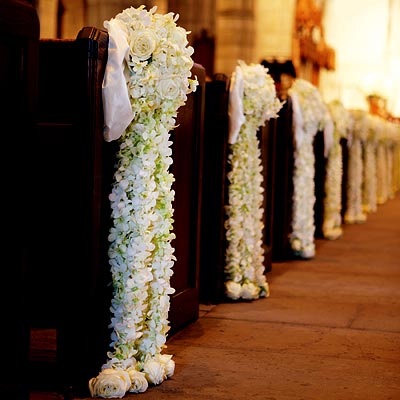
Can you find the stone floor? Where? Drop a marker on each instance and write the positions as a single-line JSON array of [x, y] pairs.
[[329, 330]]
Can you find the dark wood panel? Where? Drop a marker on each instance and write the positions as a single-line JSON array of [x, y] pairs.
[[319, 182], [283, 184], [71, 179], [267, 134], [187, 140], [213, 240], [345, 168], [19, 38]]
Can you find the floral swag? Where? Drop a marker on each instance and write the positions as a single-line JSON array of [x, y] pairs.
[[332, 224], [252, 101], [369, 193], [359, 133], [157, 73], [310, 114]]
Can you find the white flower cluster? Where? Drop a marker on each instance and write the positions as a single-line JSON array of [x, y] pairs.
[[158, 67], [311, 117], [157, 71], [244, 254], [115, 382], [354, 212], [334, 172], [369, 195]]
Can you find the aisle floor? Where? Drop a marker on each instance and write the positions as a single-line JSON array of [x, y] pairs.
[[329, 330]]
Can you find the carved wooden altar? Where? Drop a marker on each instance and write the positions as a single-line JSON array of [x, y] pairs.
[[311, 53]]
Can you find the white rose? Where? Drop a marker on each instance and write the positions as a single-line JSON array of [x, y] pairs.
[[110, 384], [139, 382], [154, 371], [168, 89], [296, 244], [264, 287], [179, 36], [309, 251], [249, 291], [143, 44], [168, 362], [233, 290]]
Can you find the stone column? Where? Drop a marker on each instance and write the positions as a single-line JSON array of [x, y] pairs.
[[195, 16], [97, 11], [274, 22], [47, 12], [235, 34]]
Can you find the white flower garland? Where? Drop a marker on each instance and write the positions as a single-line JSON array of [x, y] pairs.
[[244, 254], [384, 163], [157, 72], [310, 115], [354, 212], [332, 225], [370, 200], [386, 139]]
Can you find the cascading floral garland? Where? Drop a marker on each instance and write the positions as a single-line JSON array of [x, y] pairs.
[[310, 114], [394, 134], [332, 225], [385, 157], [244, 267], [392, 142], [381, 171], [354, 212], [369, 193], [157, 70]]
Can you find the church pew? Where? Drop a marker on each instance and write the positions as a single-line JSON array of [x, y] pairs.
[[215, 190], [19, 40], [267, 135], [283, 184], [214, 198], [72, 173], [345, 163], [187, 148], [319, 182]]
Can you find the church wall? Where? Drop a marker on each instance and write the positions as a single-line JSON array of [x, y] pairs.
[[97, 11], [235, 34], [249, 30], [252, 31], [194, 16], [274, 29], [47, 12]]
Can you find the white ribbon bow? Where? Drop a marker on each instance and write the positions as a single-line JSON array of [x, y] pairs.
[[118, 112], [235, 105]]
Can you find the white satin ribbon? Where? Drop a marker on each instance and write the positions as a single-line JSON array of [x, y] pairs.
[[117, 108], [235, 105], [328, 136], [297, 120]]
